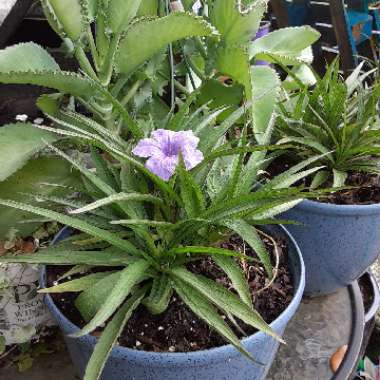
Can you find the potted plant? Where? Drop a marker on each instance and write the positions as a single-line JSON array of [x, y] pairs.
[[150, 236], [192, 197], [338, 120]]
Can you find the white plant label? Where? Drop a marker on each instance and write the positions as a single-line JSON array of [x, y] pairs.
[[22, 310]]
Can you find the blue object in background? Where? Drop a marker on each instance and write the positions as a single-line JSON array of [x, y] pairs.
[[221, 363], [338, 242]]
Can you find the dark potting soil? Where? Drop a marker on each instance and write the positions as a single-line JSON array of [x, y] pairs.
[[365, 187], [178, 329]]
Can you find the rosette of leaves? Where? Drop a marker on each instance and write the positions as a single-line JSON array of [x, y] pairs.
[[146, 230], [337, 119]]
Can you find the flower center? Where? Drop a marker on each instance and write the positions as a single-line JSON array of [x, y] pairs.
[[171, 149]]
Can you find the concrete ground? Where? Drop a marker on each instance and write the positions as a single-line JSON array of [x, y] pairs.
[[5, 6], [47, 367]]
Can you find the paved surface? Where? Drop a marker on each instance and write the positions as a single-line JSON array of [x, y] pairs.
[[46, 367], [319, 328]]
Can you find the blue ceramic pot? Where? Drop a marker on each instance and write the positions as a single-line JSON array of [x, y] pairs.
[[222, 363], [338, 242]]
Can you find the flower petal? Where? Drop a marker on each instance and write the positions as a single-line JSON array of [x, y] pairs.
[[164, 167], [146, 148], [192, 157], [186, 139]]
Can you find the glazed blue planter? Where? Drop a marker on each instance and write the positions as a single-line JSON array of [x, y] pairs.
[[338, 242], [222, 363]]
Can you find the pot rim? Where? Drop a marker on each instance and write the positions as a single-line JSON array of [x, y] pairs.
[[338, 210], [213, 354]]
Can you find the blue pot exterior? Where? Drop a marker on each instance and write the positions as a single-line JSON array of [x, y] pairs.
[[338, 242], [215, 364]]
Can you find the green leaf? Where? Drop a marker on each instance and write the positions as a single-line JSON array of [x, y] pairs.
[[26, 57], [75, 223], [119, 197], [148, 8], [191, 193], [145, 38], [66, 82], [160, 295], [142, 222], [129, 277], [339, 178], [90, 300], [222, 298], [77, 285], [71, 16], [44, 176], [109, 336], [233, 61], [70, 257], [200, 306], [234, 26], [18, 143], [120, 13], [2, 344], [265, 92], [286, 44], [207, 251], [249, 235], [236, 275], [319, 179]]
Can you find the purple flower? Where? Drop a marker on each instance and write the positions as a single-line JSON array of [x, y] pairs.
[[163, 150]]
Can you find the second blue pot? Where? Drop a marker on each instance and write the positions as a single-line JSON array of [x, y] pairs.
[[221, 363], [338, 242]]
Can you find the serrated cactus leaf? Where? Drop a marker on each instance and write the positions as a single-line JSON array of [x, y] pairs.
[[147, 37], [237, 27], [66, 82], [71, 15], [234, 62], [288, 45], [120, 13], [25, 57], [18, 143], [265, 91]]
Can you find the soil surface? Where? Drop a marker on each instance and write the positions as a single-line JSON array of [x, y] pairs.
[[178, 329], [365, 187]]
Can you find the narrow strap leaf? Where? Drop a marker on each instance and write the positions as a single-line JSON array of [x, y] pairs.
[[191, 193], [70, 257], [77, 285], [119, 197], [236, 275], [249, 235], [160, 295], [75, 223], [109, 336], [129, 277], [207, 312], [142, 222], [222, 298]]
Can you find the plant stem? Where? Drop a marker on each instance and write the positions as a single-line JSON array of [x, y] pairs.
[[131, 93], [94, 52], [85, 63], [107, 69]]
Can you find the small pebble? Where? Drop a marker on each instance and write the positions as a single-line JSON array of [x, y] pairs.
[[160, 328], [142, 333], [138, 343], [171, 349], [55, 283], [38, 121], [145, 325], [22, 117]]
